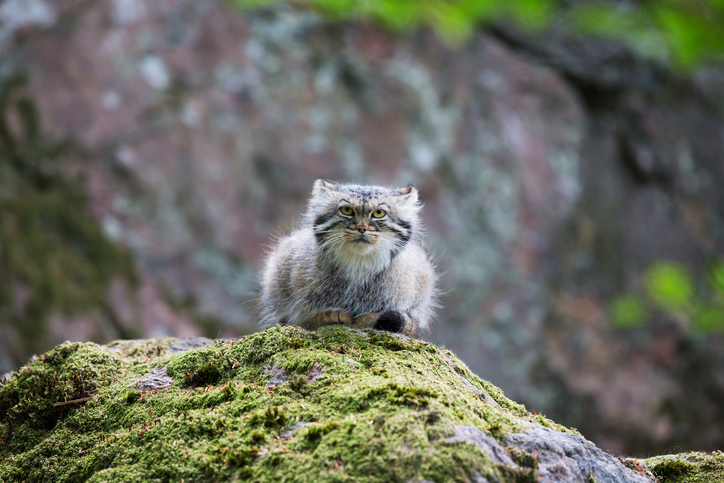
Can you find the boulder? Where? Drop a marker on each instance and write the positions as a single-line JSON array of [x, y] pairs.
[[285, 404]]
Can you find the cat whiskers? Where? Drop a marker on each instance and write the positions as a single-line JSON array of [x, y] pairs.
[[334, 241]]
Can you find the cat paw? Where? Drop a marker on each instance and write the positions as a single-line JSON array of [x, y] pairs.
[[328, 318], [367, 320]]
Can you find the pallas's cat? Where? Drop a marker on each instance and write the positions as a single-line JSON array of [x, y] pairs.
[[357, 258]]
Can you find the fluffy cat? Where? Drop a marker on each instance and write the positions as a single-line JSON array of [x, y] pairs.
[[357, 259]]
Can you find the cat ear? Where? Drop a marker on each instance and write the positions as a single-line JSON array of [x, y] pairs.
[[408, 194], [323, 187]]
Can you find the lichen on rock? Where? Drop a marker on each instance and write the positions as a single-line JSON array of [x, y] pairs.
[[55, 258], [201, 410]]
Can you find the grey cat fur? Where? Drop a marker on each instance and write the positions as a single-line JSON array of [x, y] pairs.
[[356, 269]]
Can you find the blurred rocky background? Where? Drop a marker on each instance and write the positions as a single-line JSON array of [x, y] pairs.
[[573, 186]]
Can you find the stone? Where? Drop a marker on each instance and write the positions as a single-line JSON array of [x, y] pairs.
[[488, 444], [549, 167], [158, 379], [570, 457], [218, 418]]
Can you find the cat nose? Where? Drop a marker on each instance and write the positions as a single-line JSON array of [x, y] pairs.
[[362, 228]]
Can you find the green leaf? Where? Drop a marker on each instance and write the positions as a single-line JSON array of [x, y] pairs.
[[605, 19], [336, 9], [681, 31], [532, 14], [686, 35], [624, 23], [709, 319], [396, 15], [628, 311], [251, 4], [716, 277], [669, 285], [451, 22]]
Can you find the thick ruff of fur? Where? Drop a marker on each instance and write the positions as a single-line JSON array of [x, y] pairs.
[[359, 253]]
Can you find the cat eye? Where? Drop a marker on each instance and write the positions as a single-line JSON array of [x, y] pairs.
[[379, 213], [346, 210]]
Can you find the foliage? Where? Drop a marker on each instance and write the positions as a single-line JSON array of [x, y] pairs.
[[628, 311], [685, 32], [669, 285], [669, 288]]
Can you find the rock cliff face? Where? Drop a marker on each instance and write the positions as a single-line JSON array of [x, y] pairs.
[[553, 172], [338, 404]]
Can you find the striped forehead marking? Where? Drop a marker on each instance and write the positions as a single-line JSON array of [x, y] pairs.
[[366, 197], [367, 191]]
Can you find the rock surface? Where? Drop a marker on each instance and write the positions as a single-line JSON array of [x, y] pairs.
[[84, 412], [569, 457], [554, 172]]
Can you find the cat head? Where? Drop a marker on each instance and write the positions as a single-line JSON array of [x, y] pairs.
[[363, 227]]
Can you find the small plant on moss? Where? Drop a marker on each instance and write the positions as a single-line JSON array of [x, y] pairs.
[[257, 436], [131, 396], [273, 418], [229, 390]]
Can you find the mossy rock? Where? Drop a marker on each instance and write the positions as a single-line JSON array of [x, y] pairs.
[[338, 404], [693, 467]]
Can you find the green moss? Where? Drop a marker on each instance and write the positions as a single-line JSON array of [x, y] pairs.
[[672, 468], [692, 467], [143, 349], [524, 459], [53, 250], [385, 419], [32, 400]]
